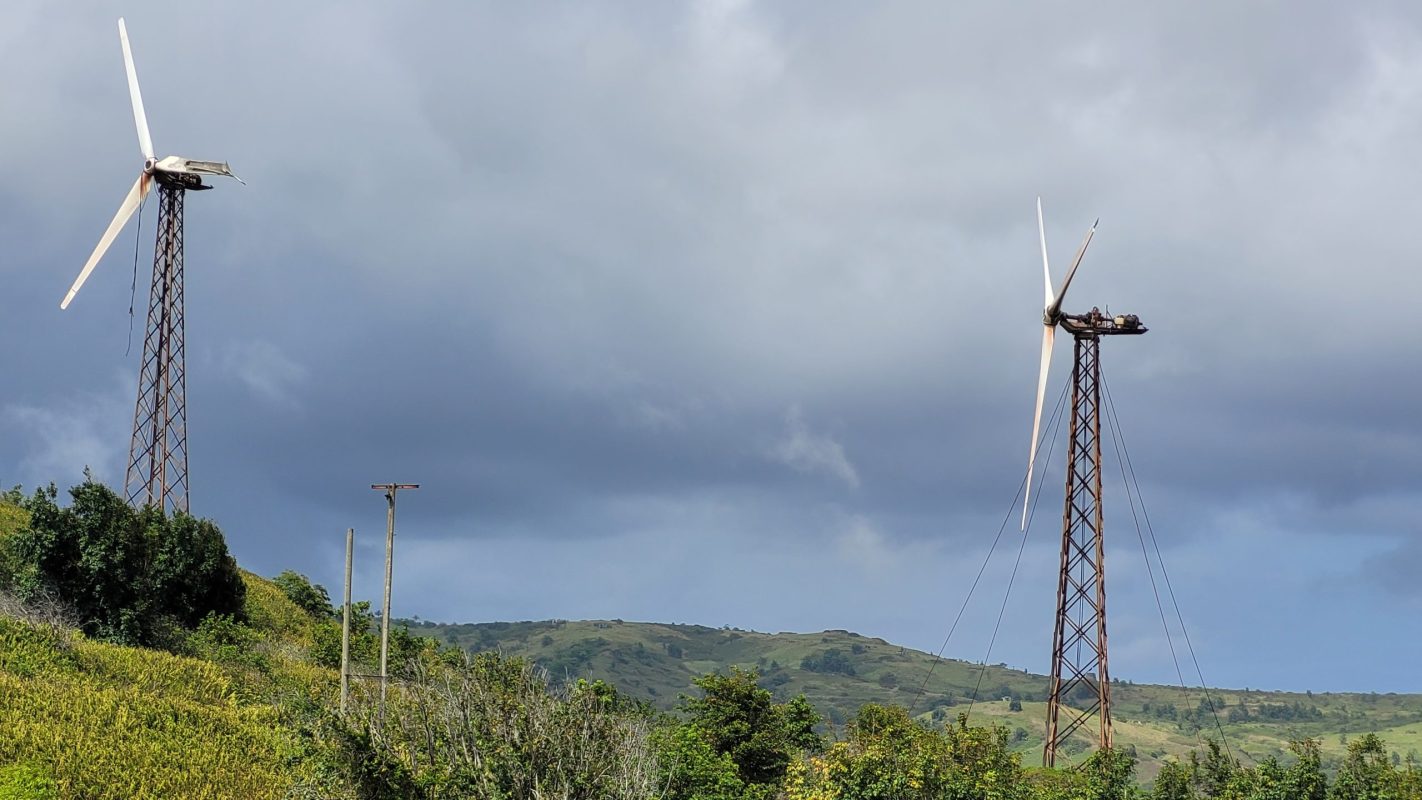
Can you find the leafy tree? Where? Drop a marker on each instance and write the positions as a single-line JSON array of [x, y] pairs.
[[1304, 779], [365, 642], [1215, 776], [832, 661], [888, 754], [691, 768], [1111, 774], [190, 565], [800, 719], [130, 575], [1173, 782], [310, 597], [738, 718], [1214, 772], [1365, 773]]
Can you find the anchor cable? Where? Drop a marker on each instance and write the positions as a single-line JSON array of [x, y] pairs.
[[937, 657], [1054, 425], [1124, 457]]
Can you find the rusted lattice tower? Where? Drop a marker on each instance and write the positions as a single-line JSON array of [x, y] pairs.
[[1080, 690], [158, 453], [1079, 664]]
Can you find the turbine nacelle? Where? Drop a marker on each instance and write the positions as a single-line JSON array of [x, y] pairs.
[[188, 166], [1094, 323], [186, 173], [176, 171]]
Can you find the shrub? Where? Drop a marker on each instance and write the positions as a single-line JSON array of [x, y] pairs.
[[130, 576], [487, 726], [889, 754], [26, 782], [832, 660], [310, 597], [739, 719]]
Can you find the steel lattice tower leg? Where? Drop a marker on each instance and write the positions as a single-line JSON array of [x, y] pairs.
[[1079, 643], [158, 455]]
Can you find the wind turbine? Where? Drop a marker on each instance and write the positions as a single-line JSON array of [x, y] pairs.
[[1079, 639], [157, 471]]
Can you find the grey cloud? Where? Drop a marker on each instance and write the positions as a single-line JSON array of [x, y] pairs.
[[806, 451], [263, 369]]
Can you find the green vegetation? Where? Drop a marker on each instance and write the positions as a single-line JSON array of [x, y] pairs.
[[888, 754], [214, 713], [99, 720], [744, 728], [128, 576], [225, 687], [492, 727], [839, 672]]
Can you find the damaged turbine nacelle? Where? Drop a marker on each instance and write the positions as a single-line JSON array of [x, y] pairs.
[[1094, 322], [1095, 319], [186, 172]]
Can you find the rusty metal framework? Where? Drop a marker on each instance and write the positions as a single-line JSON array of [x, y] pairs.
[[158, 453], [1081, 683]]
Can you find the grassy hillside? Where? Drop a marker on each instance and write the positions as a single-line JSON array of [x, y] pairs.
[[83, 718], [839, 671]]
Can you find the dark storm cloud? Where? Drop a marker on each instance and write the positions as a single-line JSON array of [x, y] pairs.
[[738, 302]]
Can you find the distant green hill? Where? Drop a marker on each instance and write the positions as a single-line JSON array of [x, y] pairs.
[[839, 671]]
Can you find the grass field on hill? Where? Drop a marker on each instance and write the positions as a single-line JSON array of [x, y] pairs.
[[84, 718]]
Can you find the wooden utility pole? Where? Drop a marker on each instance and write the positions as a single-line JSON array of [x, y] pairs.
[[346, 624], [390, 490]]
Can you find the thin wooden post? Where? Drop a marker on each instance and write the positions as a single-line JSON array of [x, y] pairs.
[[390, 490], [346, 624], [385, 606]]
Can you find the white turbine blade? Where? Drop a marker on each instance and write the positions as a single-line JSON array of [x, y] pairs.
[[1056, 305], [1048, 336], [130, 204], [145, 142], [1046, 271]]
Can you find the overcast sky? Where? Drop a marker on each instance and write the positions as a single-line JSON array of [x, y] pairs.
[[728, 312]]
